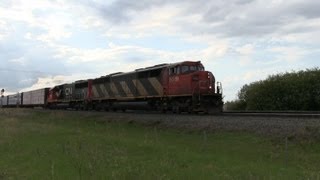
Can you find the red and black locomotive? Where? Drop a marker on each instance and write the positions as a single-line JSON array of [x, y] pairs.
[[178, 87], [183, 86]]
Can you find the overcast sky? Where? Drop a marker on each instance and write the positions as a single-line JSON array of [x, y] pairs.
[[48, 42]]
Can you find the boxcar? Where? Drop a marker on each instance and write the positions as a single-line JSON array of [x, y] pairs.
[[35, 98], [4, 101], [15, 100]]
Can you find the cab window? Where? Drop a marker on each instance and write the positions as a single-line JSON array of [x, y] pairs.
[[174, 70], [193, 68], [184, 69]]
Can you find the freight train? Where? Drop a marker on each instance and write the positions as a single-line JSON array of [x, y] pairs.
[[178, 87]]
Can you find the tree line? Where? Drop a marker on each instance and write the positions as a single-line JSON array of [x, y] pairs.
[[298, 91]]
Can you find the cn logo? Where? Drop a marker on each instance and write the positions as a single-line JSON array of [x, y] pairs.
[[68, 91]]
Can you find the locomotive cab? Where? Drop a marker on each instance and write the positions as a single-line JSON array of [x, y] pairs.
[[190, 78], [193, 88]]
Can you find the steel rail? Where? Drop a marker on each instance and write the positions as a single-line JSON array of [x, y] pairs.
[[303, 114]]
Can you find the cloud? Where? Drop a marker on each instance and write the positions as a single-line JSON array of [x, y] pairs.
[[245, 50], [227, 18], [121, 11], [134, 54], [51, 81], [289, 54], [4, 29], [256, 17], [41, 42], [20, 61]]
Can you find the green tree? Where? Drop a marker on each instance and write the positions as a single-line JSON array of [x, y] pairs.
[[289, 91]]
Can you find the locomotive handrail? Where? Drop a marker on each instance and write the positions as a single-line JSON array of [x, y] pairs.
[[219, 88]]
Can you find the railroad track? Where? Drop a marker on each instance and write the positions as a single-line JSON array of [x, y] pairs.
[[303, 114], [278, 124]]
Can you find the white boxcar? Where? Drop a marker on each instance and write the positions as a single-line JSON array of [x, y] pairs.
[[4, 101], [35, 97], [14, 100]]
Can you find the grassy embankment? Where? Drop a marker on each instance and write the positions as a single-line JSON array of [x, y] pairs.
[[59, 145]]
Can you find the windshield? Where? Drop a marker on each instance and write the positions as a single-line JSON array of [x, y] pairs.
[[185, 69], [182, 69]]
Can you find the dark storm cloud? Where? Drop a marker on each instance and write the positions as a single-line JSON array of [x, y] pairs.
[[224, 18]]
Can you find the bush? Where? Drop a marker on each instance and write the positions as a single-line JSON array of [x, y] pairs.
[[289, 91], [235, 105]]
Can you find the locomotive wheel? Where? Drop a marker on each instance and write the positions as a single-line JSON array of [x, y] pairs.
[[97, 108], [176, 109], [162, 110]]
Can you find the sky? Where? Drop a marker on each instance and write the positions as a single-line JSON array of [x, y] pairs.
[[48, 42]]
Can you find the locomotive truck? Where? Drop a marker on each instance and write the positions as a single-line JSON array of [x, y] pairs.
[[178, 87]]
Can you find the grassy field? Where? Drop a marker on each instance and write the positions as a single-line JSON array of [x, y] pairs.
[[69, 145]]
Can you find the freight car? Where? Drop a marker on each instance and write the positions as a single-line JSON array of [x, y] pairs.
[[14, 100], [4, 101], [178, 87], [35, 98]]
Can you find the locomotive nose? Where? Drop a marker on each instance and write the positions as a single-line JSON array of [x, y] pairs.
[[205, 81], [211, 82]]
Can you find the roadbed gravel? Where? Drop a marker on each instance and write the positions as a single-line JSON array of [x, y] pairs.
[[291, 127]]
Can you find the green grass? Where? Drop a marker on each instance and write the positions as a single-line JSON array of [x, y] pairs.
[[58, 145]]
